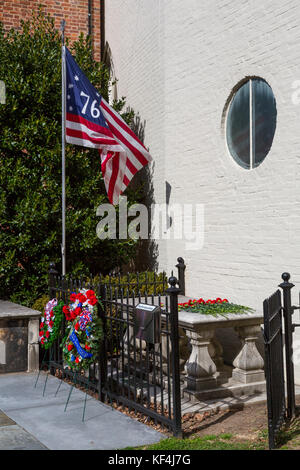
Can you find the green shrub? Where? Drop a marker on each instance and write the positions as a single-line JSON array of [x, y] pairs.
[[40, 303], [134, 283]]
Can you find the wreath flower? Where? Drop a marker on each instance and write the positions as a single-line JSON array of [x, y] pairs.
[[51, 321], [84, 330]]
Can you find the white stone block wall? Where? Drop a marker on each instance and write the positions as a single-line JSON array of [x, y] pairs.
[[177, 63]]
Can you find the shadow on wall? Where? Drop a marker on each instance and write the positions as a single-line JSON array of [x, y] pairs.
[[147, 250]]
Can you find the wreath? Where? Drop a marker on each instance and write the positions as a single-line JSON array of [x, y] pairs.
[[50, 325], [84, 330]]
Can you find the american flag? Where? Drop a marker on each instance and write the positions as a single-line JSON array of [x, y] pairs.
[[92, 122]]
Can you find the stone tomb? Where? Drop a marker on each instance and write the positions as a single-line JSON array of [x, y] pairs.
[[19, 338], [207, 375], [211, 367]]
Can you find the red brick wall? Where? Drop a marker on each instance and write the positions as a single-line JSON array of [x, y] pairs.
[[75, 13]]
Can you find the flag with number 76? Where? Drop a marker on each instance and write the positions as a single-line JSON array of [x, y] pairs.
[[92, 122]]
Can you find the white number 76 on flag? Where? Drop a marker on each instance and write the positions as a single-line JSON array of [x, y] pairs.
[[95, 112]]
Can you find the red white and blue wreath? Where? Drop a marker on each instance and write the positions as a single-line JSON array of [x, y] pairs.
[[51, 321], [84, 330]]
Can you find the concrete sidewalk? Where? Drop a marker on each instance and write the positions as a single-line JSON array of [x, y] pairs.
[[13, 437], [40, 422]]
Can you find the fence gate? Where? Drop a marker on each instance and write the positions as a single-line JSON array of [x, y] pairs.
[[278, 322], [138, 373], [274, 366]]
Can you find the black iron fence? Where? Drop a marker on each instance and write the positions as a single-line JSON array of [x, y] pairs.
[[129, 371], [274, 365], [278, 338], [147, 283]]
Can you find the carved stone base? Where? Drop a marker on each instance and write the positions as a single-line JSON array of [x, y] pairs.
[[248, 363], [196, 385], [226, 390], [247, 377]]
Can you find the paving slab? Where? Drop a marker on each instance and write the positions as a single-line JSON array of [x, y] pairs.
[[45, 419], [15, 438], [5, 420]]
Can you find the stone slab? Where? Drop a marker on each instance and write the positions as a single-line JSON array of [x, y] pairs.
[[227, 403], [191, 320], [11, 310], [228, 390], [44, 416], [5, 420], [15, 438]]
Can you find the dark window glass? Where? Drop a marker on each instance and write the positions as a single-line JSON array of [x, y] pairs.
[[249, 153], [238, 124], [264, 120]]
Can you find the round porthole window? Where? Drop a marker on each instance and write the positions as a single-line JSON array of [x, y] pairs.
[[251, 123]]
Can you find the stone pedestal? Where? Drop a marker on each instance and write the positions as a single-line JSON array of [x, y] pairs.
[[206, 375], [200, 368], [248, 365]]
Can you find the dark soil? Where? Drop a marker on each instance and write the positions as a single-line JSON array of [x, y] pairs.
[[246, 423]]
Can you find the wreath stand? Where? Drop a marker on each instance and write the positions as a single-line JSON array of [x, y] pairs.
[[73, 374], [70, 393], [43, 363]]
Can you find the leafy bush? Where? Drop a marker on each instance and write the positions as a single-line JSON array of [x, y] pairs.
[[40, 303], [134, 283], [30, 177]]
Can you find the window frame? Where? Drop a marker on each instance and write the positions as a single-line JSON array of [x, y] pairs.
[[227, 108]]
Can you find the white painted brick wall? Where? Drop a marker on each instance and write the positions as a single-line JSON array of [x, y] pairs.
[[177, 63]]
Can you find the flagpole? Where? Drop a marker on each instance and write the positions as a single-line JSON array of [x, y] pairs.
[[63, 140]]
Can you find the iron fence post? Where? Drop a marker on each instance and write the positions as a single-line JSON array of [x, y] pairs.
[[268, 374], [286, 286], [173, 292], [181, 275], [52, 273], [102, 361], [51, 280]]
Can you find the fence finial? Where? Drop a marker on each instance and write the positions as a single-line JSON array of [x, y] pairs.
[[285, 277], [173, 281], [286, 284]]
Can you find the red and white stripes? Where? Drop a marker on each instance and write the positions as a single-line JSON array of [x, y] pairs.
[[122, 153]]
